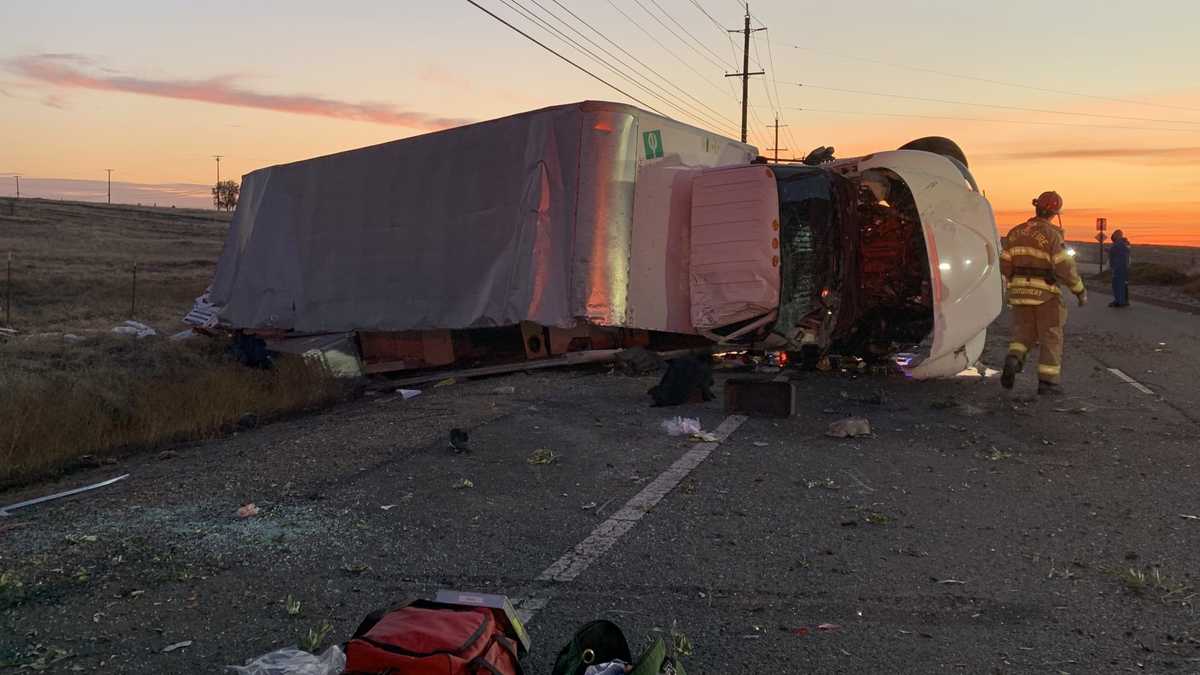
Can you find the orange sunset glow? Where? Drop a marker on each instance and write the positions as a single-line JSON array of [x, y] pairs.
[[1117, 134]]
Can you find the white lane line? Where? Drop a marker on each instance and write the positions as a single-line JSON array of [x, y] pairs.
[[606, 534], [1136, 385]]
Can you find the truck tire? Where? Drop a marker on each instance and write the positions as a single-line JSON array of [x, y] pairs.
[[938, 145]]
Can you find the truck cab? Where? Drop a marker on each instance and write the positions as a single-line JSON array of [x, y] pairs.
[[891, 252]]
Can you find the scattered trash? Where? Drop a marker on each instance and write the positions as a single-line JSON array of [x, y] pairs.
[[248, 511], [505, 390], [588, 506], [1188, 517], [203, 313], [388, 507], [687, 380], [135, 328], [177, 645], [682, 426], [445, 383], [542, 456], [4, 511], [356, 568], [616, 667], [705, 437], [459, 440], [828, 626], [874, 399], [463, 483], [292, 661], [761, 444], [408, 393], [952, 582], [637, 361], [851, 427]]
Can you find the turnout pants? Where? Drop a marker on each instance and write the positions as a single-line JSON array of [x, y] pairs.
[[1040, 325]]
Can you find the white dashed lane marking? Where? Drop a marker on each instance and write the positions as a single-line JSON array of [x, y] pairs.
[[1134, 383], [606, 534]]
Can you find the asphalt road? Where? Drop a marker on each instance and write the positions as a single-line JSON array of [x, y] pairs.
[[976, 530]]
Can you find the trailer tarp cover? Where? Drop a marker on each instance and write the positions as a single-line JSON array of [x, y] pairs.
[[467, 227]]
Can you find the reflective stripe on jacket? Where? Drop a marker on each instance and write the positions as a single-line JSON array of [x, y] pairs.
[[1035, 261]]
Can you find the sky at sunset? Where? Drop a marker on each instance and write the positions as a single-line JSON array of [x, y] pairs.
[[1098, 101]]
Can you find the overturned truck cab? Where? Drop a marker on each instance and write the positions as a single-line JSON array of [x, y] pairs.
[[599, 225]]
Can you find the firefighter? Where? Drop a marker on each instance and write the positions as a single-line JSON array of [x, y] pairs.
[[1035, 261]]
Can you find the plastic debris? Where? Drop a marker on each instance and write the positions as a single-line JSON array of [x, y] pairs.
[[705, 437], [682, 426], [615, 667], [135, 328], [505, 390], [177, 645], [761, 444], [247, 511], [408, 393], [828, 626], [388, 507], [463, 484], [850, 427], [292, 661], [542, 456]]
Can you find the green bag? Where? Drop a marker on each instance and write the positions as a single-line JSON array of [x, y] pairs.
[[602, 641]]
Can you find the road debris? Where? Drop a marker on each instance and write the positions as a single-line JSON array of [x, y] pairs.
[[761, 444], [408, 393], [951, 582], [290, 660], [851, 427], [588, 506], [1074, 411], [388, 507], [5, 511], [247, 511], [459, 440], [135, 328], [682, 426], [505, 390], [828, 626], [542, 456], [177, 645], [1186, 516], [463, 484], [705, 437]]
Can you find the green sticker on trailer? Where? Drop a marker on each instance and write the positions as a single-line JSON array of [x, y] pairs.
[[652, 140]]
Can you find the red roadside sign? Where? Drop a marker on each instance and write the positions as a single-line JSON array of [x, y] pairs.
[[1101, 224]]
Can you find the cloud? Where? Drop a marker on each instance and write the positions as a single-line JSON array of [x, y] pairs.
[[1137, 155], [80, 72], [55, 101]]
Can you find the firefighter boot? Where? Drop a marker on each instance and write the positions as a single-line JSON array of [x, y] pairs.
[[1049, 388], [1012, 366]]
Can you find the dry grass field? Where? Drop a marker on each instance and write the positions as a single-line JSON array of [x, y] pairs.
[[70, 387]]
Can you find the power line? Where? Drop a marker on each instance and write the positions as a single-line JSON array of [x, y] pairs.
[[665, 48], [724, 64], [687, 44], [531, 15], [641, 63], [989, 120], [991, 105], [1003, 83], [644, 65], [589, 73]]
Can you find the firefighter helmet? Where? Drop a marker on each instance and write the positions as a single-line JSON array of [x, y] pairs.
[[1048, 203]]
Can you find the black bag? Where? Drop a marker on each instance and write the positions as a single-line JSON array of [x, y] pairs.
[[602, 641]]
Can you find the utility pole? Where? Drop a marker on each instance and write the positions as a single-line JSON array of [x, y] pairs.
[[777, 126], [218, 158], [109, 185], [746, 74], [18, 179]]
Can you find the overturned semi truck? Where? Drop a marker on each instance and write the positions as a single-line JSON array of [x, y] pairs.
[[600, 225]]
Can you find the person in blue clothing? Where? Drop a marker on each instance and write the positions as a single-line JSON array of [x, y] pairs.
[[1118, 260]]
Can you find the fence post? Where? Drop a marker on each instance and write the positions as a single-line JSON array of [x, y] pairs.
[[8, 294], [133, 293]]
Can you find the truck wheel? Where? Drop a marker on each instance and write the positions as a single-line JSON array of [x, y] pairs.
[[938, 145]]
